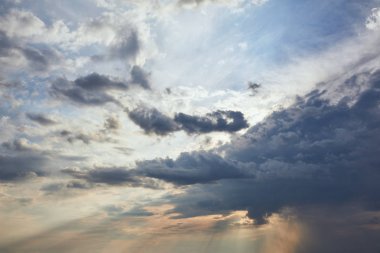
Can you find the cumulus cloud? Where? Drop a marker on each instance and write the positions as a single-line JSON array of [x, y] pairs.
[[153, 121], [312, 153], [222, 121], [193, 168]]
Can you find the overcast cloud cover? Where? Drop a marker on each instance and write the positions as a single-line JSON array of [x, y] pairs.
[[190, 126]]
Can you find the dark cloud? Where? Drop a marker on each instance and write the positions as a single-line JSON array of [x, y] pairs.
[[59, 187], [140, 77], [98, 82], [192, 168], [254, 87], [13, 168], [222, 121], [113, 176], [153, 121], [187, 169], [88, 90], [91, 90], [314, 153], [126, 46], [41, 119], [6, 44], [39, 59]]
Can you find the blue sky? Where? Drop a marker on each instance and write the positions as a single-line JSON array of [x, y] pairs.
[[181, 126]]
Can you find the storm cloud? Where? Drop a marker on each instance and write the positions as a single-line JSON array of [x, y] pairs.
[[313, 153]]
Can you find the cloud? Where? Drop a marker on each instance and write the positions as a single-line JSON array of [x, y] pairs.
[[152, 121], [126, 46], [140, 77], [222, 121], [254, 87], [373, 21], [96, 82], [41, 119], [86, 138], [312, 153], [13, 168], [192, 168], [112, 124], [91, 90], [16, 54], [62, 186], [20, 145], [112, 176]]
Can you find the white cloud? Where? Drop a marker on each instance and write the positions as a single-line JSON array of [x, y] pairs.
[[373, 21]]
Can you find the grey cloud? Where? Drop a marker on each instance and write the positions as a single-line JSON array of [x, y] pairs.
[[313, 153], [119, 211], [86, 138], [41, 119], [192, 168], [80, 92], [127, 46], [98, 82], [38, 58], [91, 90], [112, 124], [62, 186], [140, 77], [13, 168], [223, 121], [254, 87], [41, 59], [187, 169], [6, 44], [19, 145], [113, 176], [152, 121]]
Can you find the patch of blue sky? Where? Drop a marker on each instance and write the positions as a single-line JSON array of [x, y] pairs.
[[282, 29]]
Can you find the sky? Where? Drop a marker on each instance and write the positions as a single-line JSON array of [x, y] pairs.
[[182, 126]]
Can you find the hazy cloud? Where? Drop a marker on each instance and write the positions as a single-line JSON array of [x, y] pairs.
[[41, 119]]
